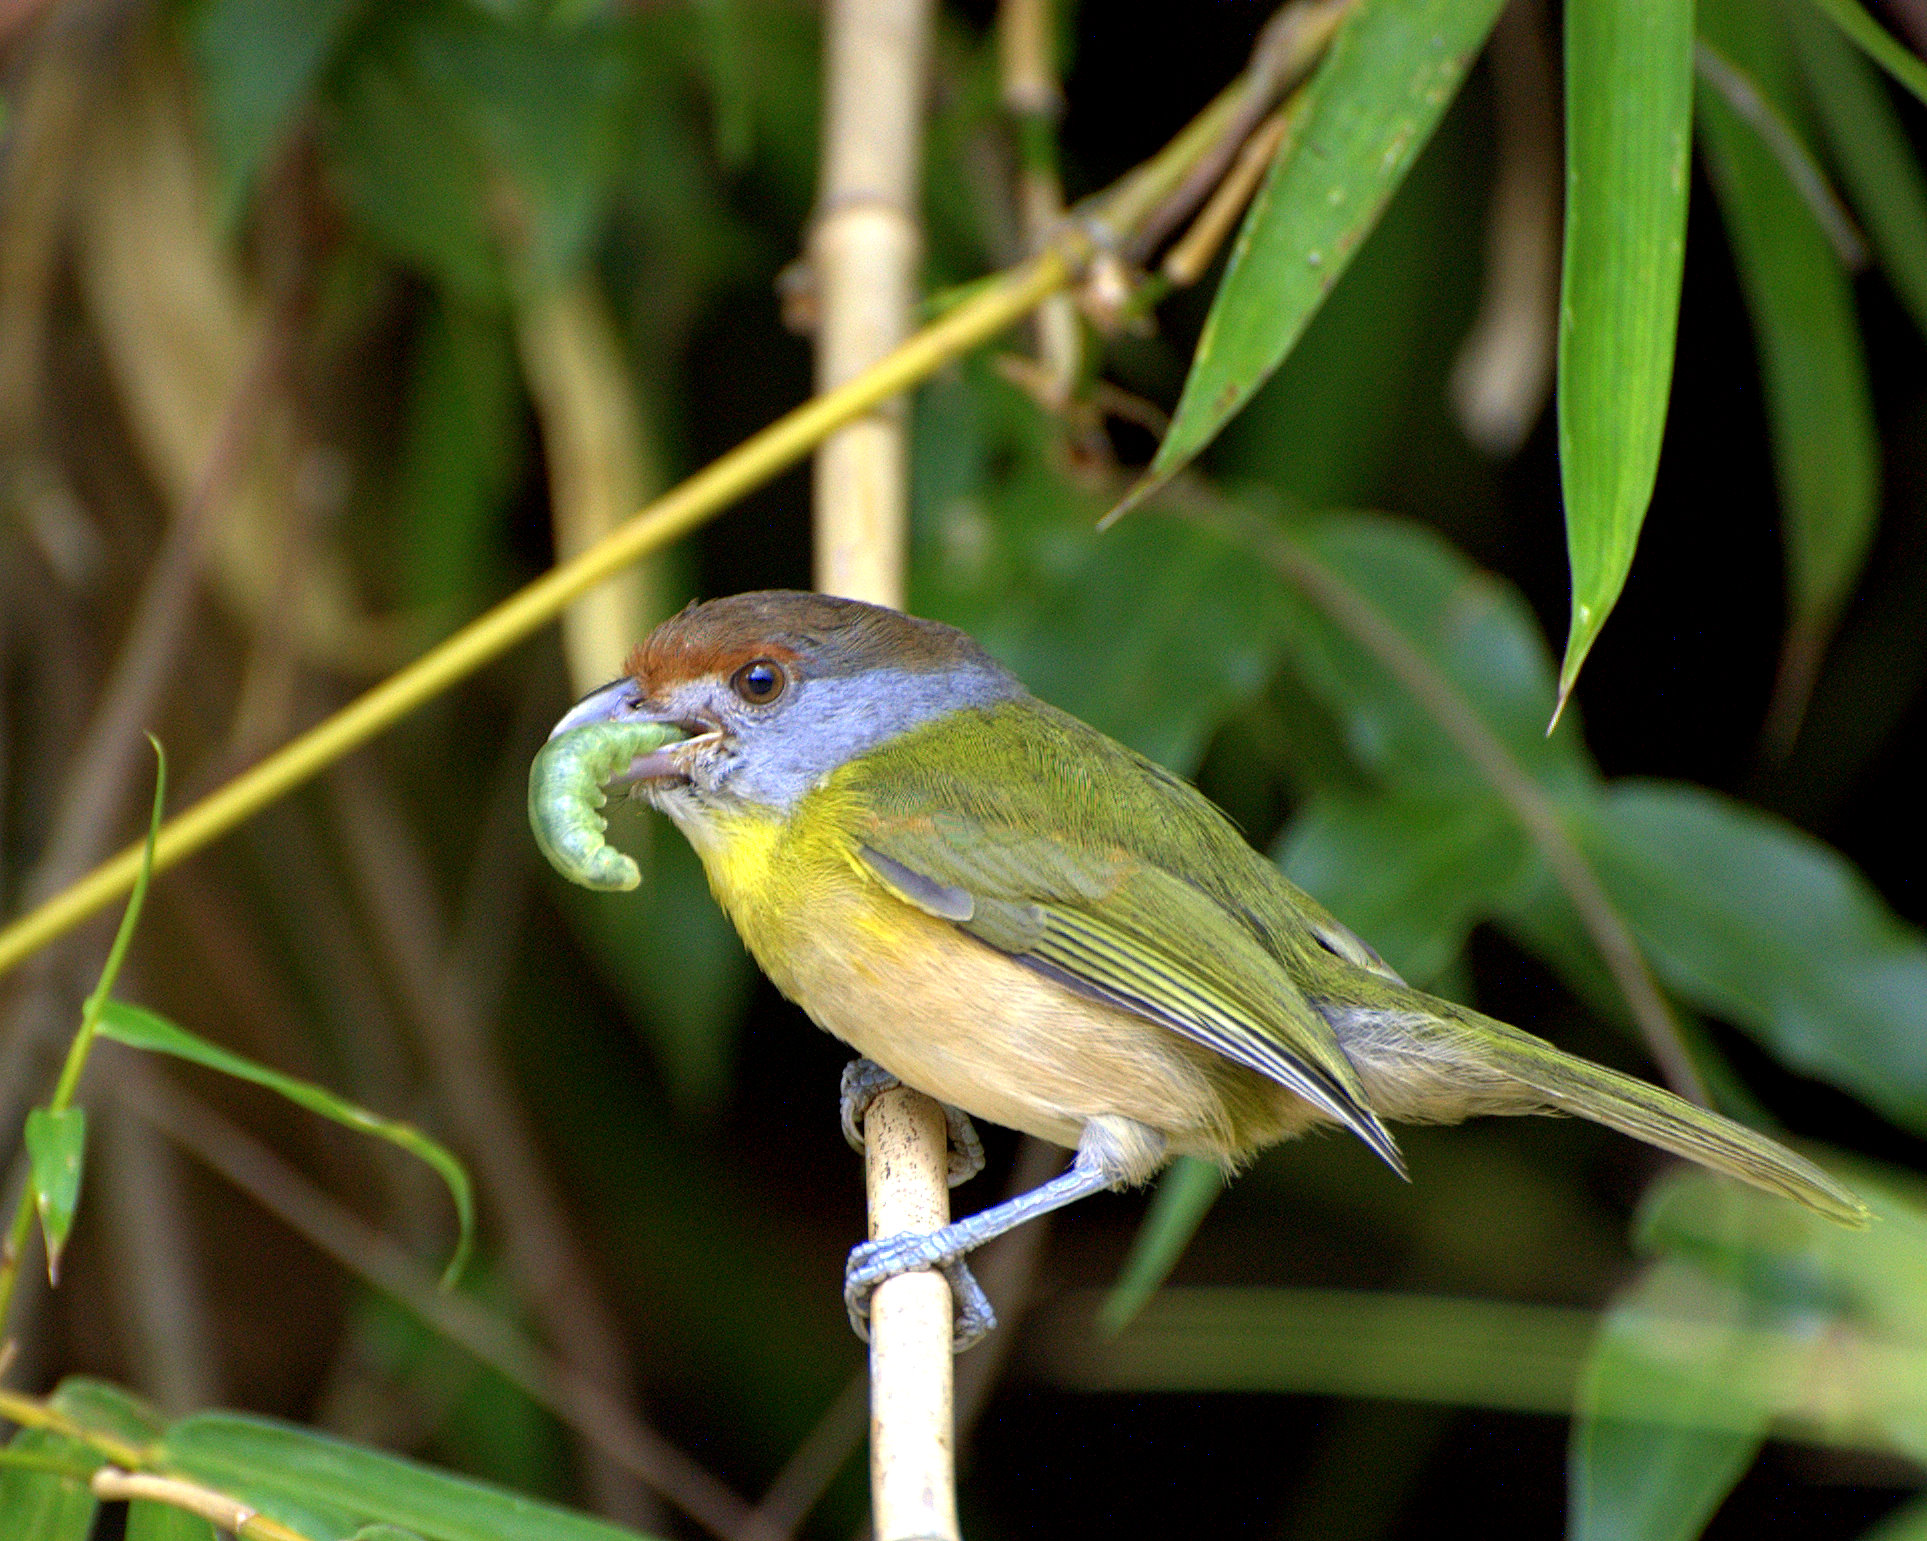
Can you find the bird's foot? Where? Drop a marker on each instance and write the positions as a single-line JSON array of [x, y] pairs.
[[875, 1261], [864, 1080]]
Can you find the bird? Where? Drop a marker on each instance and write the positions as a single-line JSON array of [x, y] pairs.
[[997, 905]]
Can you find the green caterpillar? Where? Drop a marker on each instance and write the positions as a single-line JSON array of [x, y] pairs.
[[565, 790]]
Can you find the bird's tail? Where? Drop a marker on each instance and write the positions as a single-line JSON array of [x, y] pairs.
[[1567, 1084]]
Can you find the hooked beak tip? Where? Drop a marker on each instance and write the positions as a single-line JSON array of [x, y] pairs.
[[612, 703]]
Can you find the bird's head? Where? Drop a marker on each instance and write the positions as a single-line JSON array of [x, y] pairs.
[[775, 690]]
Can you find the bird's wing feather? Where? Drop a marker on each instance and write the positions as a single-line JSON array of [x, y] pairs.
[[1130, 934]]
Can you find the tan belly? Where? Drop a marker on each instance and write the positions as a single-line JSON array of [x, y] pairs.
[[971, 1026]]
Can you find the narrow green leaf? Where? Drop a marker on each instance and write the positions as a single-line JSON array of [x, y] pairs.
[[1826, 446], [76, 1061], [41, 1496], [139, 1028], [250, 1455], [1877, 164], [56, 1152], [1184, 1197], [1388, 76], [1877, 43], [1763, 926], [1629, 103], [1661, 1438], [163, 1522]]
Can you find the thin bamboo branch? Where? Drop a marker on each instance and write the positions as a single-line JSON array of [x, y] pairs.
[[1292, 41], [1006, 1269], [913, 1483], [112, 1485], [1035, 101]]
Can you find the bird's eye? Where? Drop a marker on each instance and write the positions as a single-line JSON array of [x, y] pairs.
[[759, 682]]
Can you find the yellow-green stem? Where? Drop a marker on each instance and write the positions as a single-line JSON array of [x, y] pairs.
[[30, 1413], [677, 512]]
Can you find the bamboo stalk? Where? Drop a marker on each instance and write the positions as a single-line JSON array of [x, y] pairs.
[[864, 247]]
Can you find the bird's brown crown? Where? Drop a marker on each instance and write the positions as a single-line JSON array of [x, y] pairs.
[[819, 634]]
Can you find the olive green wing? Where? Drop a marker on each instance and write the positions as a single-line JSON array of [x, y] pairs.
[[1126, 932]]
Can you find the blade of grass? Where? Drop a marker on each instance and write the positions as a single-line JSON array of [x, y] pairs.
[[1629, 103], [51, 1191]]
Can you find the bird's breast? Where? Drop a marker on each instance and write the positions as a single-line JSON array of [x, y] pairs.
[[959, 1020]]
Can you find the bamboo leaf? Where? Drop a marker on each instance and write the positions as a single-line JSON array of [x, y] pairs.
[[1819, 402], [256, 1456], [101, 1407], [1629, 98], [1762, 925], [56, 1152], [1877, 43], [1388, 76], [163, 1522], [42, 1497], [1877, 165], [139, 1028], [1661, 1438], [1184, 1197]]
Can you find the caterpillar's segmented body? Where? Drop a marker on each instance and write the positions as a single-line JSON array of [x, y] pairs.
[[565, 792]]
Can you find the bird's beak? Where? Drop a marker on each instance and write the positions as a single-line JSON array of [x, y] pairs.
[[616, 702]]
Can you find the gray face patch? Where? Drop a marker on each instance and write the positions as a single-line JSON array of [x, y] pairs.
[[823, 723]]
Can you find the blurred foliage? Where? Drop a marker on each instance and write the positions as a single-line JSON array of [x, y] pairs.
[[291, 337]]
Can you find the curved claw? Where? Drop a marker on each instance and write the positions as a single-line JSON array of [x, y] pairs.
[[864, 1080], [872, 1262], [565, 790]]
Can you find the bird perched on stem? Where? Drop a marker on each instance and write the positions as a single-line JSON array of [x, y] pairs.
[[997, 905]]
